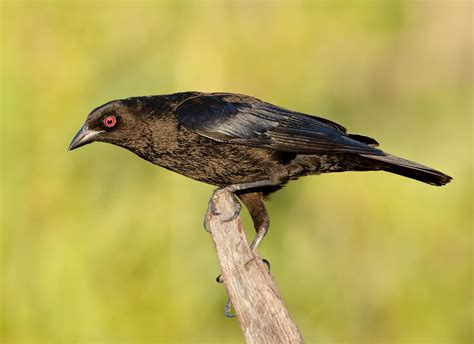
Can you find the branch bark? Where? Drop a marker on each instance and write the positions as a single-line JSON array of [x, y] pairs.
[[251, 289]]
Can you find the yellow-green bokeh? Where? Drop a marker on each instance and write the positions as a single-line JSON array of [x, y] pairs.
[[99, 246]]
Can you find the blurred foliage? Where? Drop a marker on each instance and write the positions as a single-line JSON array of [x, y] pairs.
[[101, 247]]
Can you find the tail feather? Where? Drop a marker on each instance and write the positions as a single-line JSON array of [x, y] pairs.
[[410, 169]]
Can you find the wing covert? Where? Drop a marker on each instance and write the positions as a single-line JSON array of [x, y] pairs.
[[249, 121]]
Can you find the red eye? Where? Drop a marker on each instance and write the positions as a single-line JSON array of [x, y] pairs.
[[109, 121]]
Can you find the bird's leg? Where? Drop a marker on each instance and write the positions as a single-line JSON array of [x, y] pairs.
[[261, 221], [254, 203], [212, 210]]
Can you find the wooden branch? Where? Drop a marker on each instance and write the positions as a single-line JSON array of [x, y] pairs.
[[251, 289]]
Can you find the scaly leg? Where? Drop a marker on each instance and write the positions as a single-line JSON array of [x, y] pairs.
[[254, 203], [211, 209], [261, 221]]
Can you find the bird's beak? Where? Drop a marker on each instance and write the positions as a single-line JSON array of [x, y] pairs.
[[83, 137]]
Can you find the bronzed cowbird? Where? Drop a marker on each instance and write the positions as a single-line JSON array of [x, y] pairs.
[[248, 146]]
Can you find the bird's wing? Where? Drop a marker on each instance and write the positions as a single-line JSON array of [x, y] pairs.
[[245, 120]]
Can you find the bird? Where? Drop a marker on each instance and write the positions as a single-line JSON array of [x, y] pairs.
[[239, 143]]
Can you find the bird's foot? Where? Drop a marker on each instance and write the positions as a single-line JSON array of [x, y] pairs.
[[228, 309], [267, 263], [213, 211], [228, 305]]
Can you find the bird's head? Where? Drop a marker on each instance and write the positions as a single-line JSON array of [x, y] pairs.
[[118, 122]]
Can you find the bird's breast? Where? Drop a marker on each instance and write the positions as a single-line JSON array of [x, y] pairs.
[[212, 162]]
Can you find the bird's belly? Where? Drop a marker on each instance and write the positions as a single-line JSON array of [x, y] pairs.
[[304, 165], [218, 164]]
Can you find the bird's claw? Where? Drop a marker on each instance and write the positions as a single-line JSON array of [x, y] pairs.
[[236, 203], [267, 263], [237, 208], [228, 310], [220, 279], [213, 211], [228, 305]]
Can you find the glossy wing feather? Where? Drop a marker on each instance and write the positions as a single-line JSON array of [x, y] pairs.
[[249, 121]]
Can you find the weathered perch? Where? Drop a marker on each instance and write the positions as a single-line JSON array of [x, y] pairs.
[[251, 289]]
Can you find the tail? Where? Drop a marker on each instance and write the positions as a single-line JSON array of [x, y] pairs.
[[410, 169]]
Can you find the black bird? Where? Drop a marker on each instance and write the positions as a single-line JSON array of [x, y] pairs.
[[250, 147]]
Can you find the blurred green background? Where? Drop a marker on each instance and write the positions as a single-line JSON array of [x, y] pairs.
[[99, 246]]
